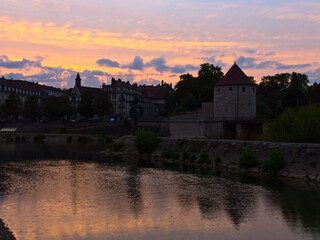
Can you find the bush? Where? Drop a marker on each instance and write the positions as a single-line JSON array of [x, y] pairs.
[[39, 138], [217, 160], [69, 139], [204, 157], [193, 158], [247, 159], [116, 146], [84, 139], [170, 155], [146, 141], [126, 121], [275, 163], [63, 129], [109, 140], [185, 156], [296, 125]]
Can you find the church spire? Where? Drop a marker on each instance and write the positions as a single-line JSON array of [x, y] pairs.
[[78, 80]]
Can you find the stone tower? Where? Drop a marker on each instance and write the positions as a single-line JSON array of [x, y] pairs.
[[234, 96], [78, 81]]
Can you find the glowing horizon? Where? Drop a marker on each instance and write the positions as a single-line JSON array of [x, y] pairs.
[[147, 42]]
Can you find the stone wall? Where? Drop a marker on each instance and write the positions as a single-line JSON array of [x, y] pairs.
[[234, 102], [302, 159]]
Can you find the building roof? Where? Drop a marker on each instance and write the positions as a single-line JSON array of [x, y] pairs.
[[156, 92], [28, 85], [235, 76]]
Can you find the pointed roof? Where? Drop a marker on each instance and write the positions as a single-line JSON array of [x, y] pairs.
[[235, 76], [78, 77]]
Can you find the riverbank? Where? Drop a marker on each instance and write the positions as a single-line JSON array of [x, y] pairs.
[[302, 159]]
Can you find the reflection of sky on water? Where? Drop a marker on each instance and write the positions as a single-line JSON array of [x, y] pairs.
[[89, 200]]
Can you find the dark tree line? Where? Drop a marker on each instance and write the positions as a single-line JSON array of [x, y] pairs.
[[55, 108], [274, 94], [282, 91], [191, 91]]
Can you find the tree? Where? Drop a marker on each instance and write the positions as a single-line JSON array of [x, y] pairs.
[[208, 76], [31, 108], [86, 107], [50, 107], [200, 88], [12, 106], [103, 104], [295, 94], [65, 108]]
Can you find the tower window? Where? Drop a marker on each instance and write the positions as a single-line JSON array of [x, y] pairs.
[[243, 89], [230, 88]]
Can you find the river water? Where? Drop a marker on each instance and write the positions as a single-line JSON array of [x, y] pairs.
[[60, 192]]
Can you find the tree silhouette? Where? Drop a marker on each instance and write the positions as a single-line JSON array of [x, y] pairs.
[[12, 106]]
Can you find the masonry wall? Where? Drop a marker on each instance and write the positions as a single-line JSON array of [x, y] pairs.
[[187, 129], [235, 102]]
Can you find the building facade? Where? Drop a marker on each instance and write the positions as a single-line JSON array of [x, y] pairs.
[[25, 88], [234, 96]]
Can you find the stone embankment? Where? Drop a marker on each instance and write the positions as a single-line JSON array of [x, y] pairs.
[[302, 159]]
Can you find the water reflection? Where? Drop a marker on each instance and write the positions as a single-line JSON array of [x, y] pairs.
[[67, 199]]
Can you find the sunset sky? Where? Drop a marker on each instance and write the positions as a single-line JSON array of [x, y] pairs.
[[149, 41]]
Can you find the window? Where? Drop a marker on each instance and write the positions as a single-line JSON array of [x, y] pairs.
[[253, 89], [218, 89], [243, 89], [230, 88]]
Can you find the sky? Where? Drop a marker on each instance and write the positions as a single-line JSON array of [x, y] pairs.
[[148, 41]]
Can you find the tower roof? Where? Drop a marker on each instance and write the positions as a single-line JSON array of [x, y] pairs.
[[235, 76], [78, 77]]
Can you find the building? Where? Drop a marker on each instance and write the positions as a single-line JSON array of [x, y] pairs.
[[25, 88], [234, 96], [117, 88], [159, 94], [231, 115], [155, 97], [75, 94]]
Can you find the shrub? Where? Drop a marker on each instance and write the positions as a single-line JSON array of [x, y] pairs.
[[170, 155], [9, 139], [247, 159], [275, 163], [17, 139], [296, 125], [146, 141], [217, 160], [185, 156], [204, 157], [63, 129], [39, 138], [116, 146], [126, 121], [109, 139], [193, 158], [69, 139], [84, 139]]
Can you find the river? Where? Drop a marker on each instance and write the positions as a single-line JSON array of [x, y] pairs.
[[63, 192]]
